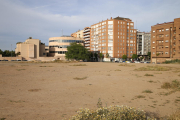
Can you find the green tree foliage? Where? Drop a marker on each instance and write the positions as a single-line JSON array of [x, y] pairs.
[[101, 56], [124, 57], [77, 52], [134, 56], [107, 55], [7, 53]]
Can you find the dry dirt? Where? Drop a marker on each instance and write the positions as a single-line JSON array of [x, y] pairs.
[[51, 91]]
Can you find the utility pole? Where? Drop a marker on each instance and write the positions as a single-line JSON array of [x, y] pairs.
[[11, 52]]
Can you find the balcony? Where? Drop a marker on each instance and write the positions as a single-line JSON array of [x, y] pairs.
[[87, 39], [87, 42], [86, 30], [174, 29], [86, 36], [87, 45]]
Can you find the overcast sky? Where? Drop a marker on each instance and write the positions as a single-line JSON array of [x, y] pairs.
[[42, 19]]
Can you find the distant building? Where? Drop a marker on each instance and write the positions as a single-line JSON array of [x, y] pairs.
[[165, 41], [78, 34], [30, 49], [115, 37], [58, 45], [143, 43]]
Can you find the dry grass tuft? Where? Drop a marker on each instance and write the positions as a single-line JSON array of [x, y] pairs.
[[45, 66], [140, 96], [148, 74], [78, 78], [117, 70], [147, 91], [175, 116], [34, 90], [20, 69], [79, 65], [153, 68]]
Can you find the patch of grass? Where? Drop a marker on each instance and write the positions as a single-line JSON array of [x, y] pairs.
[[126, 65], [78, 78], [45, 66], [175, 116], [158, 73], [20, 69], [79, 65], [173, 85], [147, 91], [34, 90], [148, 74], [19, 101], [117, 70], [153, 68], [140, 96], [179, 75], [108, 75], [151, 81], [177, 100]]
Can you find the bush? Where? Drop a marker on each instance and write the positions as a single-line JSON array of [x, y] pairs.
[[110, 113], [172, 61]]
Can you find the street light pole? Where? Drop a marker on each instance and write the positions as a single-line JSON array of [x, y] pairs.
[[11, 52]]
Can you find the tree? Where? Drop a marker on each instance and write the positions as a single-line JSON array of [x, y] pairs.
[[77, 52], [107, 55], [124, 57], [96, 56], [149, 55], [134, 56], [1, 52], [101, 56]]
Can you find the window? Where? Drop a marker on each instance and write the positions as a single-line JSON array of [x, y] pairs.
[[166, 52], [167, 29], [153, 31], [153, 41], [166, 40], [110, 22]]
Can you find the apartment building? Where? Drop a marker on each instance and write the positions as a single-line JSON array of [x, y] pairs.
[[30, 49], [165, 41], [86, 36], [143, 43], [114, 37], [78, 34]]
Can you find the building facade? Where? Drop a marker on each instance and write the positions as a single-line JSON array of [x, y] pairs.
[[78, 34], [86, 36], [143, 43], [30, 49], [114, 37], [165, 41], [58, 45]]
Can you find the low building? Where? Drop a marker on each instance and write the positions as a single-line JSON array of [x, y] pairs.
[[30, 49], [58, 45]]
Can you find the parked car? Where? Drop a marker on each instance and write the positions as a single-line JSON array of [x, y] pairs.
[[4, 60], [136, 62], [18, 60], [116, 61], [128, 61]]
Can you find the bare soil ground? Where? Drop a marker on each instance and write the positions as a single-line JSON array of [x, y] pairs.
[[51, 91]]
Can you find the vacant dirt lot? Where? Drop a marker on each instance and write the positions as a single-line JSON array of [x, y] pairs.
[[51, 91]]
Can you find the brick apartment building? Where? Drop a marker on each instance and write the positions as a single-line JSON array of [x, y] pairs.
[[116, 36], [165, 41]]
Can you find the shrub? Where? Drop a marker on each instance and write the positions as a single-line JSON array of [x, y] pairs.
[[148, 74], [153, 68], [147, 91], [110, 113], [172, 61]]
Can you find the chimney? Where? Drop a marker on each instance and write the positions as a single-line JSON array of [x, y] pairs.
[[111, 18]]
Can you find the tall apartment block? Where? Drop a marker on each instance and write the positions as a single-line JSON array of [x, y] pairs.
[[86, 36], [143, 43], [165, 41], [116, 36]]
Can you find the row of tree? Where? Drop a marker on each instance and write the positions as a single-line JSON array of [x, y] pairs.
[[78, 52], [7, 53]]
